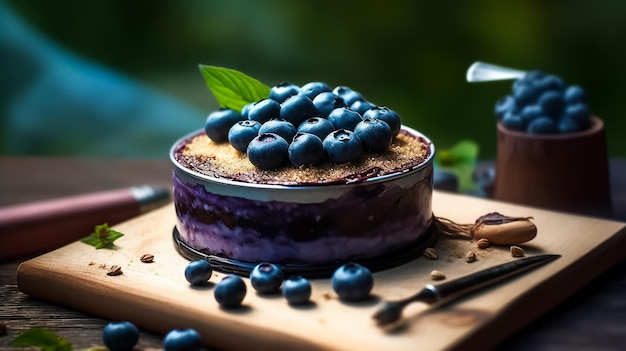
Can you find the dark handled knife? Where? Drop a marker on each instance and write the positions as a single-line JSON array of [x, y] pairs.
[[454, 289]]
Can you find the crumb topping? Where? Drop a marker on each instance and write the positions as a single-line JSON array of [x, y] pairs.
[[204, 156]]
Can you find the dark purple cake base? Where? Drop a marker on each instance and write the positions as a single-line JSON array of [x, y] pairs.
[[375, 264]]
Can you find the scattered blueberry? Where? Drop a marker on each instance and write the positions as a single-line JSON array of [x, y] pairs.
[[374, 133], [282, 91], [305, 149], [266, 278], [264, 110], [268, 151], [543, 125], [342, 146], [198, 272], [242, 133], [279, 126], [312, 89], [326, 102], [316, 125], [120, 336], [182, 340], [344, 118], [297, 109], [445, 180], [230, 291], [352, 282], [218, 124], [389, 116], [297, 290]]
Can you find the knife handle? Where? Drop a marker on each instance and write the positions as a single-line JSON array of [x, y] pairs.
[[41, 226]]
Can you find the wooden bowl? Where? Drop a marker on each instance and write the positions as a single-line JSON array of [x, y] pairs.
[[564, 172]]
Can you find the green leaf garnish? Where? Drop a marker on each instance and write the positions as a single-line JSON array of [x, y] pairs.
[[44, 339], [103, 237], [233, 89], [460, 160]]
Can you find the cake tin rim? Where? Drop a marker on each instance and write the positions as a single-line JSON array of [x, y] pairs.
[[231, 182]]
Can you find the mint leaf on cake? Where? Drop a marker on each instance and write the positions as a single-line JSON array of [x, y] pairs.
[[231, 88]]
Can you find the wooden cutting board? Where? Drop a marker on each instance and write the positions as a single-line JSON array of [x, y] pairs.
[[156, 297]]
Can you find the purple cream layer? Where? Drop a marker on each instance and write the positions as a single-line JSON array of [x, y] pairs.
[[367, 220]]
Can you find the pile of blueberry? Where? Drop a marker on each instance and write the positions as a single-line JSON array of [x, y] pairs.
[[305, 125], [541, 103]]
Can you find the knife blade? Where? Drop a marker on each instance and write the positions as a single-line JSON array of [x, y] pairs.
[[454, 289]]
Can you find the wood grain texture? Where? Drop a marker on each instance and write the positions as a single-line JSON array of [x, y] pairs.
[[156, 296]]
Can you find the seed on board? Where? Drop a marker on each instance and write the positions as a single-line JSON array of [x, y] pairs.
[[517, 251], [483, 243], [437, 275], [147, 258], [431, 254], [115, 270], [470, 257]]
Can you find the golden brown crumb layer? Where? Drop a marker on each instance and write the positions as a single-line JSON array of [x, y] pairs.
[[204, 156]]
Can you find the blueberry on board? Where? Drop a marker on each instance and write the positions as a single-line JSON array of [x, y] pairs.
[[316, 125], [282, 91], [268, 151], [574, 94], [305, 149], [543, 125], [218, 124], [352, 282], [312, 89], [552, 103], [389, 116], [242, 133], [374, 133], [567, 125], [512, 121], [264, 110], [529, 113], [182, 340], [120, 336], [326, 101], [297, 109], [230, 291], [344, 118], [579, 112], [198, 272], [297, 290], [445, 180], [361, 106], [266, 278], [504, 105], [342, 146], [279, 126]]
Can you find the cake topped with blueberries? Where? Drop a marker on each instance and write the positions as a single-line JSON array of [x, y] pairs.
[[309, 134]]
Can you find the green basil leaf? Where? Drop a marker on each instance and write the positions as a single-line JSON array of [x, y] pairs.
[[233, 89], [460, 160], [103, 237], [44, 339]]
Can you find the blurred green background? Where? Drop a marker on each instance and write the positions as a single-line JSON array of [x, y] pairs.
[[409, 55]]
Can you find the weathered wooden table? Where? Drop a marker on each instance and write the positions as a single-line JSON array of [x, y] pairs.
[[593, 318]]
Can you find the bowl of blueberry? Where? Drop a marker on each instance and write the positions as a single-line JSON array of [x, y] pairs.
[[551, 150], [307, 177]]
